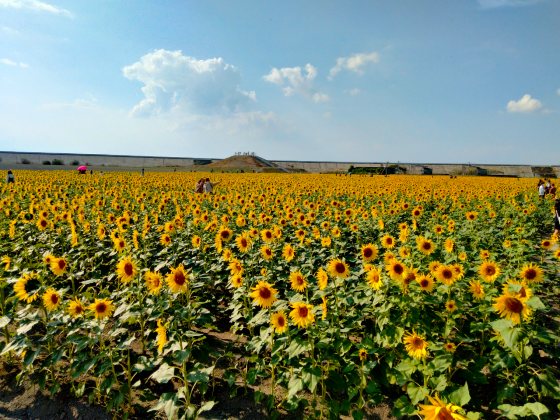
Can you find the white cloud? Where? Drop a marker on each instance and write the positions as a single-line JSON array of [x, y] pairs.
[[12, 63], [493, 4], [176, 82], [35, 5], [9, 31], [354, 63], [526, 104], [294, 81], [353, 92], [558, 92]]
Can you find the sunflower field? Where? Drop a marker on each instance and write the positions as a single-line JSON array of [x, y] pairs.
[[435, 296]]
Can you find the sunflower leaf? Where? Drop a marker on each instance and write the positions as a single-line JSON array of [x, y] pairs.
[[460, 396]]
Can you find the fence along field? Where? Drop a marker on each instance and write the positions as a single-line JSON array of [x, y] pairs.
[[433, 295]]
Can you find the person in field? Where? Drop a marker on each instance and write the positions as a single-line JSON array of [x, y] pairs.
[[209, 186], [199, 187], [556, 217], [10, 178]]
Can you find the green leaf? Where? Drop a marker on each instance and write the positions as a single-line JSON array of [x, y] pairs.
[[4, 321], [296, 347], [416, 393], [163, 374], [507, 331], [207, 406], [201, 375], [294, 386], [460, 396], [535, 303], [24, 329]]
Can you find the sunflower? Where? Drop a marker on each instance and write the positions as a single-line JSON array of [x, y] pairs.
[[373, 278], [267, 235], [322, 278], [362, 354], [225, 234], [279, 322], [236, 281], [338, 268], [557, 254], [51, 299], [161, 339], [433, 267], [42, 224], [243, 243], [415, 345], [178, 279], [102, 308], [324, 308], [388, 257], [484, 254], [119, 244], [126, 270], [476, 289], [101, 231], [547, 243], [387, 241], [446, 274], [235, 267], [463, 256], [450, 306], [165, 239], [471, 215], [326, 242], [438, 409], [58, 266], [153, 282], [302, 314], [512, 307], [449, 245], [531, 273], [297, 281], [266, 252], [369, 252], [489, 271], [6, 261], [288, 252], [196, 241], [263, 294], [425, 246], [76, 308], [519, 289], [27, 287], [396, 270], [426, 282], [450, 347]]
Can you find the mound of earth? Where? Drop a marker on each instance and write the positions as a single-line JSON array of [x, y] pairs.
[[246, 163]]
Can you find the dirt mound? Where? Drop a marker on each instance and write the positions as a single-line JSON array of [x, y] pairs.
[[240, 162]]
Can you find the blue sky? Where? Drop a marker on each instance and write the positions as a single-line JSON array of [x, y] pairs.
[[407, 80]]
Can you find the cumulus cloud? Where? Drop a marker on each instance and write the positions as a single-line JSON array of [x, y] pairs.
[[526, 104], [35, 5], [493, 4], [295, 81], [176, 82], [12, 63], [354, 63]]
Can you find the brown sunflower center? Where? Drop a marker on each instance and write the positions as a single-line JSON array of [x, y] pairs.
[[399, 269], [368, 252], [54, 299], [61, 264], [179, 278], [514, 305], [530, 274], [340, 268], [303, 311], [417, 343], [128, 269], [490, 270], [281, 321], [265, 293], [101, 307], [447, 274], [424, 283]]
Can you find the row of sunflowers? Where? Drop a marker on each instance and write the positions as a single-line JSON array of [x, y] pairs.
[[433, 295]]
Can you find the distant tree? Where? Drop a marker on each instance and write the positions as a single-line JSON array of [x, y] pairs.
[[25, 161], [75, 163], [46, 162], [57, 162]]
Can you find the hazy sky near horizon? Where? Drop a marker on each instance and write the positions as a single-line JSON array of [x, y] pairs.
[[366, 80]]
